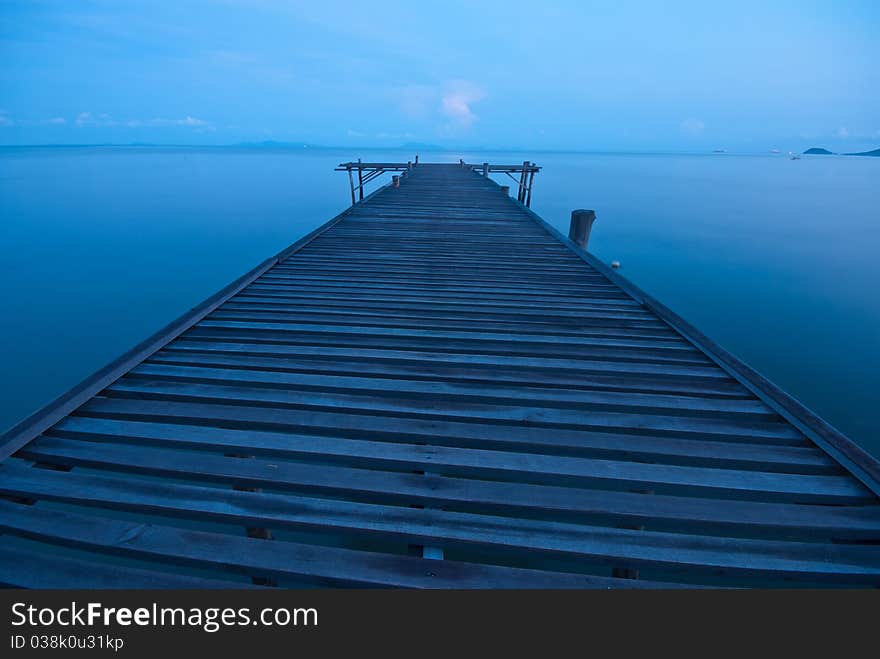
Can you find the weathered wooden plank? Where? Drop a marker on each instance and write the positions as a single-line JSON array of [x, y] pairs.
[[701, 554], [25, 567], [503, 465], [582, 304], [427, 344], [642, 448], [446, 292], [435, 369], [590, 328], [797, 458], [580, 370], [335, 303], [546, 288], [510, 498], [672, 344], [742, 427], [523, 396], [250, 556]]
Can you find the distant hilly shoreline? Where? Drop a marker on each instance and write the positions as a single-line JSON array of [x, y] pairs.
[[818, 151], [270, 145]]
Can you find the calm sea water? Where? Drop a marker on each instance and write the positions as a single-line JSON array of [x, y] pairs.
[[778, 260]]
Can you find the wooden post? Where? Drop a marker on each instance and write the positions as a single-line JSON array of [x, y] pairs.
[[506, 190], [409, 165], [529, 193], [486, 169], [395, 180], [360, 180], [461, 161], [351, 183], [417, 159], [521, 195], [579, 229]]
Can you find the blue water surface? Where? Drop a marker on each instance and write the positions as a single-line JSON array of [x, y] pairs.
[[776, 259]]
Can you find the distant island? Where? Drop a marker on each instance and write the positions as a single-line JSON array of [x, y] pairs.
[[818, 151], [875, 152]]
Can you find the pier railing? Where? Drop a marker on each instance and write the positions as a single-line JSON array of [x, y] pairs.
[[523, 175], [525, 179], [367, 171]]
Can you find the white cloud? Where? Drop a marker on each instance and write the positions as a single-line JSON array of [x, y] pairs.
[[456, 102], [692, 126], [84, 119], [186, 121], [6, 120], [106, 121]]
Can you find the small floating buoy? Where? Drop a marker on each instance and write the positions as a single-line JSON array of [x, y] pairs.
[[615, 264]]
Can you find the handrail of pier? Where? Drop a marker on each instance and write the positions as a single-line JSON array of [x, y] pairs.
[[368, 171]]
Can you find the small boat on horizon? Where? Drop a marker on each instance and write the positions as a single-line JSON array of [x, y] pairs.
[[793, 156], [774, 150]]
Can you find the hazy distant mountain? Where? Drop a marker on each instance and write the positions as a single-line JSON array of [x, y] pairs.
[[424, 146], [875, 152], [272, 144]]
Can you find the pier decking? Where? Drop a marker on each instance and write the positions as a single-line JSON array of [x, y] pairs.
[[434, 389]]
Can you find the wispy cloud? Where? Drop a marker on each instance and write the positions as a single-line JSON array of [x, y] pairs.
[[186, 121], [458, 97], [6, 120], [87, 119], [692, 126]]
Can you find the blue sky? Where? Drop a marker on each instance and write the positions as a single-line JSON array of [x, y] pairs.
[[744, 75]]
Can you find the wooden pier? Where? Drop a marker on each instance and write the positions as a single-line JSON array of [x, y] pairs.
[[434, 389]]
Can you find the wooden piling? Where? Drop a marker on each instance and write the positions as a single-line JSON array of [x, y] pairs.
[[351, 184], [581, 224]]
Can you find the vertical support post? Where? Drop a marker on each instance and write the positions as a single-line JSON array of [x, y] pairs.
[[486, 169], [417, 159], [529, 194], [461, 161], [360, 180], [409, 166], [581, 224], [395, 180], [350, 183], [522, 182]]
